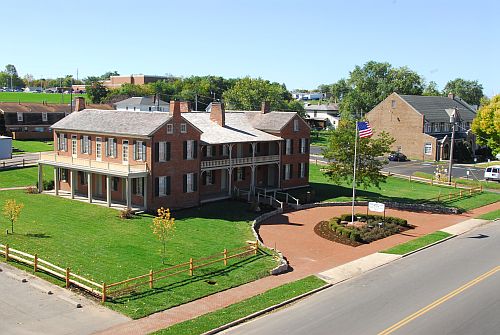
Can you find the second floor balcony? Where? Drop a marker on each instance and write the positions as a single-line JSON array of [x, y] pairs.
[[236, 162], [83, 164]]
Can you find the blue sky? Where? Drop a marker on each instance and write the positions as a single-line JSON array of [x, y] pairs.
[[299, 43]]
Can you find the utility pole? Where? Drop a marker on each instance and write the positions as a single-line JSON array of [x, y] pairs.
[[196, 101]]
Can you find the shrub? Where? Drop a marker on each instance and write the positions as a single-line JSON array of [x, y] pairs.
[[355, 236], [126, 213], [47, 185], [31, 190]]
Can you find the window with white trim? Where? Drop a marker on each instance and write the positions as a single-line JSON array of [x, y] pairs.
[[162, 152], [288, 144], [125, 150], [19, 117], [190, 182], [302, 145], [44, 117], [62, 142], [302, 170], [170, 128], [183, 128], [287, 171], [428, 149], [140, 151], [209, 177], [163, 186], [295, 125], [190, 149], [85, 144], [111, 147], [138, 186]]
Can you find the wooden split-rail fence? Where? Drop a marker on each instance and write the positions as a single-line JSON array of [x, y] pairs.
[[104, 291]]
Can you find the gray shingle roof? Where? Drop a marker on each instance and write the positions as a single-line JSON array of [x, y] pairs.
[[433, 108], [113, 122], [238, 128], [326, 108], [145, 101], [273, 121]]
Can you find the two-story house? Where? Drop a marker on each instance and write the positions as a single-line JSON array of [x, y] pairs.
[[322, 116], [143, 104], [421, 125], [177, 159]]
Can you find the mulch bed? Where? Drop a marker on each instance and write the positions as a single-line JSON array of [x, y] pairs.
[[323, 230]]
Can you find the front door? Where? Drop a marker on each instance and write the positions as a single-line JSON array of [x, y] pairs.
[[98, 149]]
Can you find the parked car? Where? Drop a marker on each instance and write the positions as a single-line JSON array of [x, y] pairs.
[[397, 157], [492, 173]]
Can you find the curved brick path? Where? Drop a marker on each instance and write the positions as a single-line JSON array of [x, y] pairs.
[[307, 253]]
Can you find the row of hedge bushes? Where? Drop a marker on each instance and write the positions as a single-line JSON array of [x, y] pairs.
[[374, 219]]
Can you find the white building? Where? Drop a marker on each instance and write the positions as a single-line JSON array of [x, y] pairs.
[[308, 95], [5, 147], [143, 104], [323, 116]]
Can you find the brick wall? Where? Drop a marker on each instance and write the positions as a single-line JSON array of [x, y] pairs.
[[296, 158]]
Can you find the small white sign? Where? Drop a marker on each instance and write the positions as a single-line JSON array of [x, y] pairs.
[[376, 207]]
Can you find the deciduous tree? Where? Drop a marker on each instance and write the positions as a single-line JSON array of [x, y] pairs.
[[469, 90], [163, 227], [340, 153], [96, 91], [486, 125], [12, 211]]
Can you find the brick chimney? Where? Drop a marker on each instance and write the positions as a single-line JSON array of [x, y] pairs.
[[79, 104], [451, 96], [175, 109], [217, 113], [265, 107], [185, 106]]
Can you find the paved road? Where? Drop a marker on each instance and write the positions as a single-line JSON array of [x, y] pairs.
[[410, 167], [420, 294], [27, 308]]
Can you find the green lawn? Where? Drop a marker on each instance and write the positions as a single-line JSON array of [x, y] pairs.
[[320, 137], [246, 307], [95, 243], [417, 243], [468, 182], [51, 98], [32, 146], [493, 215], [27, 176], [394, 189]]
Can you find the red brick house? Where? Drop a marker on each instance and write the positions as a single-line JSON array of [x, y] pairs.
[[177, 159]]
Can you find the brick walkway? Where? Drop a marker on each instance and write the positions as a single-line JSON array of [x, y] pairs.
[[307, 253]]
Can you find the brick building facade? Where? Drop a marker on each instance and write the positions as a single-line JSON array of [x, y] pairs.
[[177, 159]]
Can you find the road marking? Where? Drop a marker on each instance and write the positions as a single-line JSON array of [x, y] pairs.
[[438, 302]]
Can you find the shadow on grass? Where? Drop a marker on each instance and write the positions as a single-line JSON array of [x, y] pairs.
[[207, 277], [38, 235]]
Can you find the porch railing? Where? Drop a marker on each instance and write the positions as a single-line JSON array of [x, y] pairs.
[[219, 163]]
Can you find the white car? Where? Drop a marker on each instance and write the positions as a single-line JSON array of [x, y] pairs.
[[492, 173]]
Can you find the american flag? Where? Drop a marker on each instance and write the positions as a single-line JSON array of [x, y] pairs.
[[364, 129]]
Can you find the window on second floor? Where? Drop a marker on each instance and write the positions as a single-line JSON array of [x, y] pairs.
[[435, 127], [303, 145], [162, 151], [170, 128], [140, 151], [183, 128], [111, 147], [44, 117], [295, 125], [190, 150], [289, 146], [85, 144]]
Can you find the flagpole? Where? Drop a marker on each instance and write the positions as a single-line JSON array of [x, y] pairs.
[[354, 172]]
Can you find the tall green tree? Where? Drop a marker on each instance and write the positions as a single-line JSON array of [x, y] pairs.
[[469, 90], [431, 89], [486, 125], [340, 153], [96, 91]]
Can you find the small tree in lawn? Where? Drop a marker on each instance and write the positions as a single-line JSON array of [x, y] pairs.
[[163, 228], [12, 210]]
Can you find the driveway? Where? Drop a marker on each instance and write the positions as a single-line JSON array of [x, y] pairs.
[[292, 233], [27, 308]]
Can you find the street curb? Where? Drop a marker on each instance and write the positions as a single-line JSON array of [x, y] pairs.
[[265, 310]]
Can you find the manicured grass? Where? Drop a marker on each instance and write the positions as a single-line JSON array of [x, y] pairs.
[[417, 243], [493, 215], [32, 146], [394, 189], [51, 98], [320, 137], [468, 182], [246, 307], [95, 243], [27, 176]]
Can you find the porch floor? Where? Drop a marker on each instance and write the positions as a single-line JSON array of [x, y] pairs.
[[83, 198]]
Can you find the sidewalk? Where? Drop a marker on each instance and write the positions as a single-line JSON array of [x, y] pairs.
[[345, 266]]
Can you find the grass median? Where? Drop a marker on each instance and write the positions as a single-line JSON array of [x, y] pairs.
[[493, 215], [417, 243], [243, 308]]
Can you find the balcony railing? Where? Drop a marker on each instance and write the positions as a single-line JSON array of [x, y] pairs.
[[221, 163], [90, 164]]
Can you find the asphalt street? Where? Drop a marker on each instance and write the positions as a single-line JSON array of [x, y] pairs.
[[410, 167], [450, 288], [27, 308]]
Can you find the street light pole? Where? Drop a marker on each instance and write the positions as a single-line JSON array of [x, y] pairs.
[[453, 119]]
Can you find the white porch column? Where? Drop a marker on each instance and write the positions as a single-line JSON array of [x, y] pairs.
[[56, 180], [40, 178], [145, 192], [89, 187], [72, 183], [128, 192], [108, 190], [279, 165]]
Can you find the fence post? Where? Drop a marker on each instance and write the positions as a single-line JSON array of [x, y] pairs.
[[6, 252], [67, 277], [460, 193], [104, 289], [481, 188], [191, 266], [455, 184], [23, 162], [151, 278], [35, 263], [225, 256], [256, 247]]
